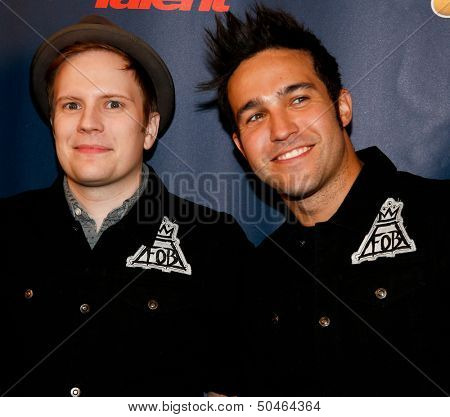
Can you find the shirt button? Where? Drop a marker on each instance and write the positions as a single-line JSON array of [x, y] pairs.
[[380, 293], [78, 211], [28, 294], [75, 392], [153, 305], [275, 319], [85, 308], [324, 321]]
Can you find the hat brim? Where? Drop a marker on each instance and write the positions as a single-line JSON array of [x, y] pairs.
[[110, 35]]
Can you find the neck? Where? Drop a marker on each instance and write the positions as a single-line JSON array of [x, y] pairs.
[[99, 201], [323, 204]]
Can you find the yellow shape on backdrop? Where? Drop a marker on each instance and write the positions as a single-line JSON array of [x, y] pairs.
[[441, 7]]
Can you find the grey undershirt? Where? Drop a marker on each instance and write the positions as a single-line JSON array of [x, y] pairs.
[[113, 217]]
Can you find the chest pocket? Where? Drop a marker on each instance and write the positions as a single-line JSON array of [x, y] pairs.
[[393, 295], [388, 280], [159, 294]]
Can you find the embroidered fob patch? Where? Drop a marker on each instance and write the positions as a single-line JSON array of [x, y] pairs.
[[165, 254], [387, 237]]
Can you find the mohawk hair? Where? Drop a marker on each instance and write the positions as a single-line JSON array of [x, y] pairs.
[[236, 40]]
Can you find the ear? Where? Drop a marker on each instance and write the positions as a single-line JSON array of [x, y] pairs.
[[52, 127], [238, 143], [151, 130], [345, 107]]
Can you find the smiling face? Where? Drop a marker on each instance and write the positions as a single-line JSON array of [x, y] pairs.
[[98, 120], [287, 124]]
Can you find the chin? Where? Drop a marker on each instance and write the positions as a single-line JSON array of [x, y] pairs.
[[292, 191], [292, 195], [92, 175], [90, 181]]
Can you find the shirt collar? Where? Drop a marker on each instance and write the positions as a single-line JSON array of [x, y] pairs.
[[364, 199], [114, 215], [367, 194]]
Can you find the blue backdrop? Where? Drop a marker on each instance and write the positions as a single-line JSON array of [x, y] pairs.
[[394, 57]]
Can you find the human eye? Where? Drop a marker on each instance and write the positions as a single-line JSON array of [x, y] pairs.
[[71, 106], [255, 117], [299, 100], [114, 104]]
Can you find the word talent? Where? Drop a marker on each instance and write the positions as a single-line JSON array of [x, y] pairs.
[[182, 5]]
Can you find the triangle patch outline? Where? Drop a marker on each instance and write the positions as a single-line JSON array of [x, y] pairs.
[[165, 254], [387, 236]]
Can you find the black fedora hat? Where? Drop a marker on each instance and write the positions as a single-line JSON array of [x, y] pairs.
[[99, 29]]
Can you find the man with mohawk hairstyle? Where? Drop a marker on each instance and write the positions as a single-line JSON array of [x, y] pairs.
[[352, 297]]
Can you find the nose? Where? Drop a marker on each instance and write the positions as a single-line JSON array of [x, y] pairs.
[[282, 125], [90, 120]]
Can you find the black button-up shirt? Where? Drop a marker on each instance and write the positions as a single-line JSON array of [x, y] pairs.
[[151, 310], [360, 301]]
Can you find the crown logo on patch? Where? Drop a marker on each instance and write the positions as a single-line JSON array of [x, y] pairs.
[[165, 231], [389, 211]]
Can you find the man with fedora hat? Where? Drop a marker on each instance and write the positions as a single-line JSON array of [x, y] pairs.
[[114, 286]]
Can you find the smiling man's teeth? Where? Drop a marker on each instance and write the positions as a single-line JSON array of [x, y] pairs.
[[293, 153]]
